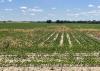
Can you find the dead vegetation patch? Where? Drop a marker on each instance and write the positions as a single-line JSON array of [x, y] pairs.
[[94, 34], [9, 41], [58, 28], [17, 30], [88, 30]]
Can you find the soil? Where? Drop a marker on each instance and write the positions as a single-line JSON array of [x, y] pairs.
[[49, 68]]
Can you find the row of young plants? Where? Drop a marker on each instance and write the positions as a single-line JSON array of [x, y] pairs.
[[87, 44], [44, 42], [66, 59]]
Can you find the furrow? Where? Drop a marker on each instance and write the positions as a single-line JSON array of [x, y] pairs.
[[69, 40], [48, 38], [62, 39], [76, 39], [56, 37]]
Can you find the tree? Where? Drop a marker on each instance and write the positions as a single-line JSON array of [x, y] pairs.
[[49, 21], [57, 21]]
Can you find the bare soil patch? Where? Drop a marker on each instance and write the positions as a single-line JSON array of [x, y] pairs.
[[88, 30], [95, 34], [50, 69]]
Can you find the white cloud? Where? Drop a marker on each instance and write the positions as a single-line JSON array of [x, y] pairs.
[[53, 8], [36, 10], [73, 14], [30, 11], [23, 11], [10, 0], [98, 6], [23, 7], [90, 13], [94, 12], [2, 1], [32, 14], [90, 5], [8, 9]]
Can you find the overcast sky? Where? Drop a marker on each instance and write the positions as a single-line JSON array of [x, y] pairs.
[[34, 10]]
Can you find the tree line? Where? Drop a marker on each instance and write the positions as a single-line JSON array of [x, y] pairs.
[[67, 21], [57, 21]]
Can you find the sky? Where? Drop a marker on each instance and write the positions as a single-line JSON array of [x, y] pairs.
[[41, 10]]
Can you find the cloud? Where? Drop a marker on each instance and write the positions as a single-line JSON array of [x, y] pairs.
[[53, 8], [9, 0], [94, 12], [90, 13], [32, 14], [90, 5], [2, 1], [98, 6], [23, 7], [73, 14], [8, 9], [30, 11], [23, 11], [36, 10]]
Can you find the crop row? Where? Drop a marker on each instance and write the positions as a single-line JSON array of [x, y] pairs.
[[49, 40], [75, 59]]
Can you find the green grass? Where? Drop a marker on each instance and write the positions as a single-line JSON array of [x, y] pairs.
[[46, 25]]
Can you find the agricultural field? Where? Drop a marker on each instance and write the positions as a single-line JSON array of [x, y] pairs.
[[49, 45]]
